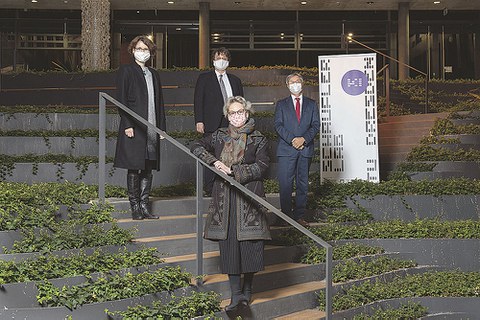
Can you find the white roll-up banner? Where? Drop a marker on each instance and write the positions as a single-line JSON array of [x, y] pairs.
[[348, 115]]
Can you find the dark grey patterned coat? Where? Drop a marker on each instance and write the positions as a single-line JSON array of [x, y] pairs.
[[251, 222]]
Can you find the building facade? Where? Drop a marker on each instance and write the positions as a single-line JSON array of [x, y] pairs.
[[441, 43]]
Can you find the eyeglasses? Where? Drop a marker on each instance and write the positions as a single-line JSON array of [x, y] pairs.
[[142, 49], [238, 112]]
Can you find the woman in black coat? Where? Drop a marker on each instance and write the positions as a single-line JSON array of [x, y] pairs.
[[236, 221], [138, 149]]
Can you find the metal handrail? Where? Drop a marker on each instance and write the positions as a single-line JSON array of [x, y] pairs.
[[103, 97]]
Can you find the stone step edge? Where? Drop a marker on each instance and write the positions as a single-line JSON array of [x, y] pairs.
[[309, 314], [206, 255], [270, 295]]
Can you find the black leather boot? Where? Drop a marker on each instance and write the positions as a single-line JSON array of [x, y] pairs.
[[133, 189], [247, 286], [145, 186], [237, 299]]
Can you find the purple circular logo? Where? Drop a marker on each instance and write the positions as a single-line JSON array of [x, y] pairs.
[[354, 82]]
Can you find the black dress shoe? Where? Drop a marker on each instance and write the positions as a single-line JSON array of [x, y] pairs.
[[137, 216], [149, 215], [235, 305], [303, 223]]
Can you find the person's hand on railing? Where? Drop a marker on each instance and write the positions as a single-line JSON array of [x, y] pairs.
[[200, 127], [222, 167], [129, 132]]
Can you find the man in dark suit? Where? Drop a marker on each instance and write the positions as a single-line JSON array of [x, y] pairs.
[[297, 122], [212, 90]]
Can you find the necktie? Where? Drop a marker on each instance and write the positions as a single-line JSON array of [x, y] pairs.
[[222, 87], [297, 108]]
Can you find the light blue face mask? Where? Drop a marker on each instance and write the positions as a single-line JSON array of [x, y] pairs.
[[295, 88], [141, 56], [220, 64]]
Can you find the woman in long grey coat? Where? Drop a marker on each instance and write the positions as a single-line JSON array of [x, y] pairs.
[[236, 221], [138, 149]]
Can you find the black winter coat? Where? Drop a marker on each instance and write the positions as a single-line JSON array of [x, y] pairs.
[[132, 92], [251, 219]]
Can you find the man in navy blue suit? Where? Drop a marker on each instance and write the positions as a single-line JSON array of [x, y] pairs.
[[297, 122], [212, 90]]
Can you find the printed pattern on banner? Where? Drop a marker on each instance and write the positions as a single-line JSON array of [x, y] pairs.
[[348, 116]]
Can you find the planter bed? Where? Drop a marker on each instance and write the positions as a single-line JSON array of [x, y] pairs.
[[174, 170], [417, 176], [87, 312], [462, 254], [462, 166], [410, 207], [473, 139], [464, 122], [450, 307], [55, 121], [87, 146], [23, 294], [455, 146]]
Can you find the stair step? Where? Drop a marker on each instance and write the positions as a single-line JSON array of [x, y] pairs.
[[396, 148], [413, 140], [164, 238], [206, 255], [284, 292], [161, 218], [400, 132], [416, 117], [220, 277], [310, 314]]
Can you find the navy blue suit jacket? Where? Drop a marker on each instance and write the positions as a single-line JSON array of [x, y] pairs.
[[287, 126], [208, 100]]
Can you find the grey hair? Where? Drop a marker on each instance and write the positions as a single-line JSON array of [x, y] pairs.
[[293, 75], [247, 105]]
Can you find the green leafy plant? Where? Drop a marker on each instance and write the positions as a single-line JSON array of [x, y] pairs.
[[49, 266], [70, 235], [316, 255], [346, 215], [360, 269], [429, 284], [53, 193], [392, 229], [96, 213], [428, 153], [186, 307], [7, 162], [447, 127], [406, 311], [116, 287], [330, 194]]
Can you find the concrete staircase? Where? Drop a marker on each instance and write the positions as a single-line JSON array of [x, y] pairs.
[[398, 135], [285, 286], [286, 289]]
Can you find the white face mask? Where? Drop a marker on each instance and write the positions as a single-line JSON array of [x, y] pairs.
[[295, 88], [238, 120], [141, 56], [220, 64]]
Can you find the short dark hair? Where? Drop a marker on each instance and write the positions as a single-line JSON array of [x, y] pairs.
[[221, 50], [151, 46]]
